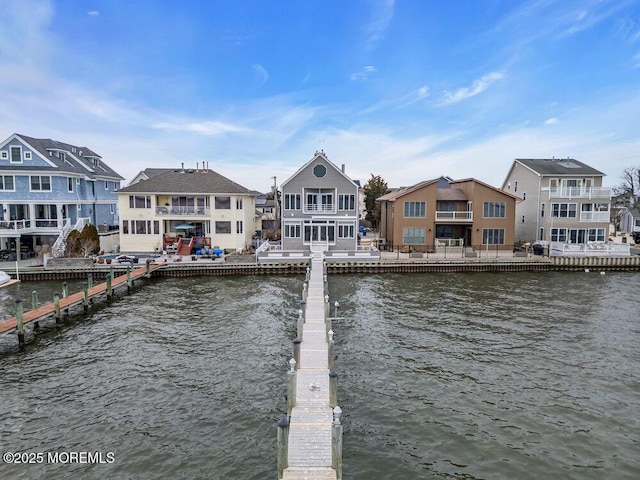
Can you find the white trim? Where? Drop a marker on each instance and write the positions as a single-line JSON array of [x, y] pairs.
[[27, 155], [11, 147]]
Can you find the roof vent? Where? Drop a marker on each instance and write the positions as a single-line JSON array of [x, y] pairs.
[[182, 169]]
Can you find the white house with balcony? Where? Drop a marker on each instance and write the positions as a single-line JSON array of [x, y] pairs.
[[563, 200]]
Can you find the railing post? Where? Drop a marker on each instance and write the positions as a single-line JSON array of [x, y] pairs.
[[336, 442], [19, 322], [85, 296], [283, 445], [331, 349], [56, 306], [291, 384], [333, 388]]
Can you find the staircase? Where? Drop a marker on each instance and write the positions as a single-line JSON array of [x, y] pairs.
[[60, 245]]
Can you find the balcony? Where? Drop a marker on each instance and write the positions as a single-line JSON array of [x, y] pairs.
[[595, 217], [319, 208], [580, 192], [465, 216], [183, 211]]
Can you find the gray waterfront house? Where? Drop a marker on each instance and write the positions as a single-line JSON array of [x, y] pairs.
[[563, 201]]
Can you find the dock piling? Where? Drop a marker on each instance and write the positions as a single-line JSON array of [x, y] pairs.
[[85, 297], [300, 324], [90, 280], [283, 445], [109, 288], [147, 269], [331, 349], [296, 351], [129, 278], [19, 322], [291, 386], [65, 289], [336, 442], [333, 388], [56, 306]]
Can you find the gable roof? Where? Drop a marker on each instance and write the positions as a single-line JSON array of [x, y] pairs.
[[316, 155], [78, 160], [558, 166], [445, 194], [185, 181], [400, 192]]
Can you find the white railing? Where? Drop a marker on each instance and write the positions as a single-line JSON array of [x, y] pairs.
[[449, 242], [595, 216], [460, 216], [183, 211], [319, 207], [579, 192], [60, 244], [590, 249], [15, 224]]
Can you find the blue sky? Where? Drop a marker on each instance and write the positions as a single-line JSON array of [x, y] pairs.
[[407, 89]]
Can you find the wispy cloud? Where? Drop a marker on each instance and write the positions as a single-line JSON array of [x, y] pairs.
[[93, 13], [381, 15], [263, 75], [364, 73], [478, 86], [207, 127], [413, 97], [551, 121], [636, 59]]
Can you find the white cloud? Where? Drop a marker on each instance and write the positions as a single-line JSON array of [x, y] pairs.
[[263, 75], [636, 59], [551, 121], [381, 16], [478, 86], [93, 13], [413, 97], [364, 73], [202, 128]]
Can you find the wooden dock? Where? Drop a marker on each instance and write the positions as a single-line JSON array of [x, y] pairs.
[[312, 429], [48, 309]]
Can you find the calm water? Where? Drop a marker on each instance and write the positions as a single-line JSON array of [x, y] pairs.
[[441, 376]]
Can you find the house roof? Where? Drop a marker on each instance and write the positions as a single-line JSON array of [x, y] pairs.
[[187, 181], [558, 166], [322, 155], [449, 192], [78, 160], [399, 192]]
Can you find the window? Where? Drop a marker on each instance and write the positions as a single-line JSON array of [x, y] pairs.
[[414, 210], [106, 185], [239, 205], [413, 236], [239, 227], [6, 183], [125, 227], [292, 201], [346, 202], [292, 230], [319, 171], [112, 208], [596, 235], [542, 211], [223, 203], [223, 227], [346, 231], [515, 187], [558, 234], [4, 155], [563, 210], [493, 236], [139, 201], [524, 195], [27, 155], [494, 210], [70, 184], [522, 218], [41, 183], [16, 154], [140, 227]]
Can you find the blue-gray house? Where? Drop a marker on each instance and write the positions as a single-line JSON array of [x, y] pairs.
[[48, 187]]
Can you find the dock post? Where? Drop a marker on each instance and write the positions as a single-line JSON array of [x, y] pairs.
[[111, 271], [304, 291], [337, 307], [90, 280], [333, 389], [328, 324], [65, 289], [283, 445], [34, 305], [56, 305], [300, 324], [85, 296], [331, 349], [326, 306], [19, 322], [291, 390], [148, 268], [129, 278], [109, 289], [336, 442], [296, 351]]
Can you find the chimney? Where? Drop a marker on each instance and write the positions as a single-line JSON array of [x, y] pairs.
[[182, 169], [343, 168], [197, 166]]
